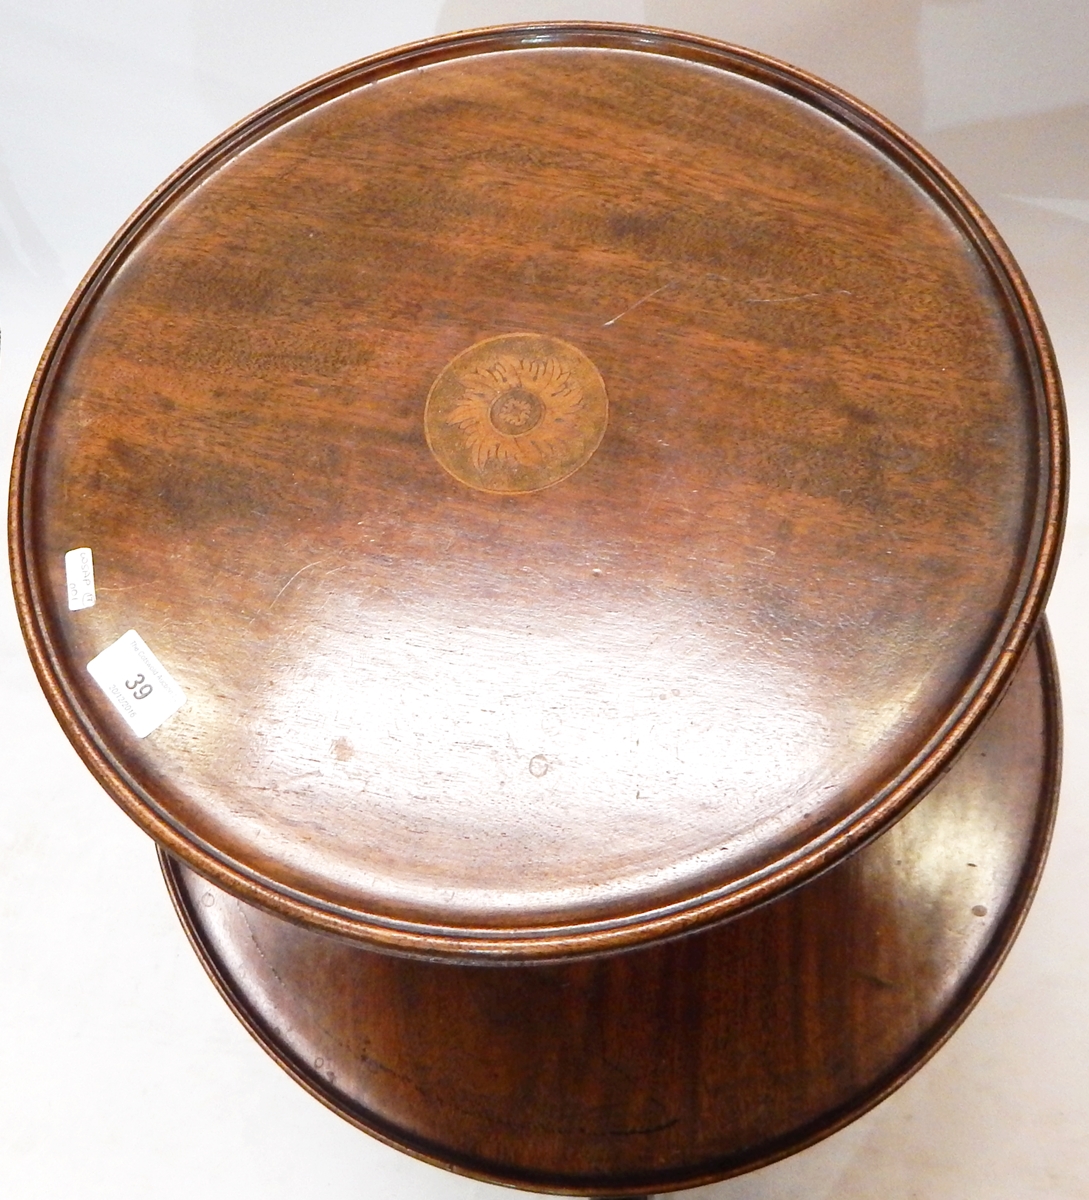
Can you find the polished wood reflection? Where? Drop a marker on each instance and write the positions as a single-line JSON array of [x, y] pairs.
[[683, 1062], [735, 643]]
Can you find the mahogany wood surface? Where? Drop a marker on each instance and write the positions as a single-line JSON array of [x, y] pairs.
[[678, 1063], [457, 714]]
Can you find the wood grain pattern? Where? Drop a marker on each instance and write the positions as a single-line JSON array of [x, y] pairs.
[[669, 1065], [737, 643]]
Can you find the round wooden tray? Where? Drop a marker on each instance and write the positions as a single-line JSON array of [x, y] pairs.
[[680, 1063], [582, 481]]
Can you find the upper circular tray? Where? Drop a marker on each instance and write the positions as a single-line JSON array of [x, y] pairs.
[[583, 480]]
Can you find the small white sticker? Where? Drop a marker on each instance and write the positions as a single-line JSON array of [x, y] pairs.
[[79, 570], [138, 684]]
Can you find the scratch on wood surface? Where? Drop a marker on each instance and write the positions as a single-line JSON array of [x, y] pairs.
[[799, 296], [308, 566], [648, 296]]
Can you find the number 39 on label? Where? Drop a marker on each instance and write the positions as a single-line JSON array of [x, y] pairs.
[[136, 683]]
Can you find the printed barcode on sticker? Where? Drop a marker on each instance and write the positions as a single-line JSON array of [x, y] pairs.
[[138, 685], [79, 572]]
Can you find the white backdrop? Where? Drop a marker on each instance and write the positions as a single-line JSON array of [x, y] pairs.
[[122, 1073]]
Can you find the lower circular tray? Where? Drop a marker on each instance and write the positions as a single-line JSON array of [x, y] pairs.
[[683, 1062]]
